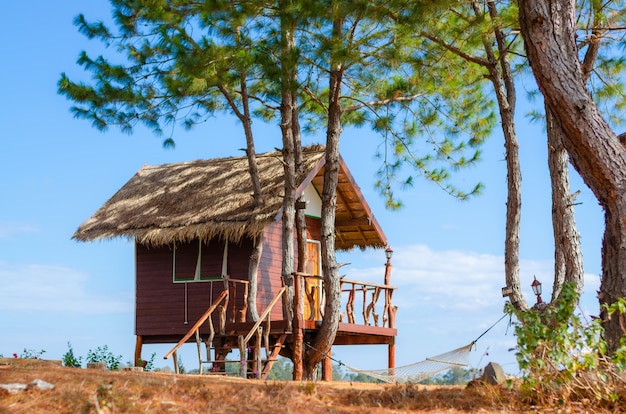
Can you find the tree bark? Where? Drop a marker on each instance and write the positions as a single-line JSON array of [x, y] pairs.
[[287, 111], [253, 271], [325, 337], [502, 79], [548, 28], [568, 260]]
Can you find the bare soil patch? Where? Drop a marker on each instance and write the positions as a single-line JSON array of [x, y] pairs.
[[96, 391]]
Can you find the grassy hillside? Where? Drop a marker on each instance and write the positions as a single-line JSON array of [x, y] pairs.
[[79, 390]]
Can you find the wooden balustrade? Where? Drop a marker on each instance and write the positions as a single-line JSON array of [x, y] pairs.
[[237, 314], [357, 294], [370, 307]]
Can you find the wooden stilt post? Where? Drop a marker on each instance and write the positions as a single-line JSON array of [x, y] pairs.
[[327, 367], [298, 334], [391, 356], [243, 357], [198, 342], [257, 353], [138, 347], [175, 360]]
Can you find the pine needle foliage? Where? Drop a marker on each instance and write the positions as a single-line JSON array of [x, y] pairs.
[[179, 63]]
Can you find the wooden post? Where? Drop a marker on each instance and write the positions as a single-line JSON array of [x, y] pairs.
[[175, 360], [244, 308], [243, 357], [233, 303], [298, 334], [138, 347], [388, 307], [391, 356], [198, 342], [257, 353], [327, 366], [366, 321]]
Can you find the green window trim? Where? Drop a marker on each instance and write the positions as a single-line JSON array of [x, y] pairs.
[[197, 276]]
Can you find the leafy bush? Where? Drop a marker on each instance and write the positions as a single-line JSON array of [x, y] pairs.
[[31, 354], [148, 365], [70, 360], [562, 357], [102, 354]]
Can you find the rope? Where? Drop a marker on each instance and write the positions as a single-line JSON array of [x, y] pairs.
[[488, 329]]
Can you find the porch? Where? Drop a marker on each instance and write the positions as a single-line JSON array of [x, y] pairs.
[[367, 317]]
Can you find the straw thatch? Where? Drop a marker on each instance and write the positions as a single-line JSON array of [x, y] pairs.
[[206, 199]]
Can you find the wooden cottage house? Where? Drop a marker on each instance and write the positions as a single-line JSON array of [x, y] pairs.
[[194, 227]]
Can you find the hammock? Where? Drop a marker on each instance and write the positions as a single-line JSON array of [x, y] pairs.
[[422, 370], [425, 369]]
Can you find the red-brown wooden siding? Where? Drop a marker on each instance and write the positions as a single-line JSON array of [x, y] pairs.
[[160, 303], [270, 280]]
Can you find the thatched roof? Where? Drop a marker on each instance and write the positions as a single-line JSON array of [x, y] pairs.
[[213, 198]]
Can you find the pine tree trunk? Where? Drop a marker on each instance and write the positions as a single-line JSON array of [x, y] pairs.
[[549, 31], [504, 88], [287, 111], [253, 271], [568, 260], [325, 337]]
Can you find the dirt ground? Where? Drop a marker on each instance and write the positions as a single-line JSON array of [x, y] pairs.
[[79, 390]]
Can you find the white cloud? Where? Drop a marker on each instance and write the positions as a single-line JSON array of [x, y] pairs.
[[447, 298], [49, 288], [11, 228], [447, 279]]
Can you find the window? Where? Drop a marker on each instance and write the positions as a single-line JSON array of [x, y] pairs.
[[197, 262]]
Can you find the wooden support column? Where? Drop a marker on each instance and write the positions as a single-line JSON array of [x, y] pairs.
[[243, 357], [327, 366], [391, 356], [138, 347], [258, 366], [175, 361], [298, 334]]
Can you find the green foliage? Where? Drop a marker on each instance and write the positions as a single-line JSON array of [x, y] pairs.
[[31, 354], [102, 354], [148, 365], [454, 376], [181, 367], [180, 63], [561, 357], [69, 359], [281, 370]]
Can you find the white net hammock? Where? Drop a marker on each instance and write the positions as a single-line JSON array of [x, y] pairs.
[[422, 370]]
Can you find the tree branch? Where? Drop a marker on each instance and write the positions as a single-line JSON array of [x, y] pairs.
[[381, 102]]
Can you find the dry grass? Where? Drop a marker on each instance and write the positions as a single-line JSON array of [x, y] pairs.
[[92, 391]]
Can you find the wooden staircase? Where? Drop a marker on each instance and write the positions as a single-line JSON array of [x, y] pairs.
[[250, 343]]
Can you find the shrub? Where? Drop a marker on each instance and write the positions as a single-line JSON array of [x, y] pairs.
[[70, 360], [563, 358], [31, 354], [102, 354]]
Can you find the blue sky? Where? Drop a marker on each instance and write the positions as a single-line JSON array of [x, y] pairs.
[[56, 171]]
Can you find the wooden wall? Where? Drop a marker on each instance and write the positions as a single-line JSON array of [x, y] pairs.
[[163, 307]]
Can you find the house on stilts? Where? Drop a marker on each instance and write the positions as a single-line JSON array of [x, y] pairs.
[[194, 226]]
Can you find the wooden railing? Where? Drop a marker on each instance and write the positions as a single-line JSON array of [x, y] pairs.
[[358, 292], [257, 330], [353, 293]]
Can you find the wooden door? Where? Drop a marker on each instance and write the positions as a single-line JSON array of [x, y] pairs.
[[313, 285]]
